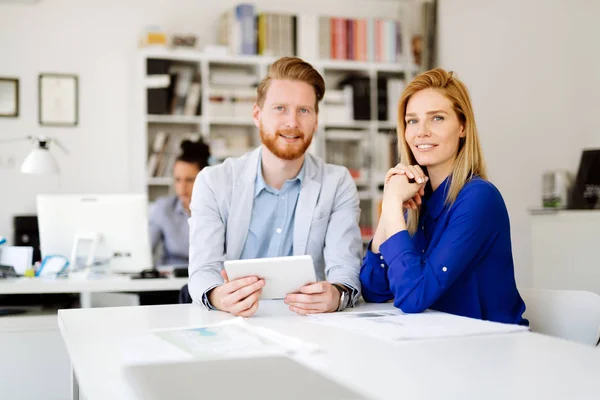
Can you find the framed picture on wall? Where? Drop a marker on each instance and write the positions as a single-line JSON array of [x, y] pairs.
[[9, 97], [58, 100]]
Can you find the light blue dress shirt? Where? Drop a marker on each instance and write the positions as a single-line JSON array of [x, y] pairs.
[[169, 225], [271, 232]]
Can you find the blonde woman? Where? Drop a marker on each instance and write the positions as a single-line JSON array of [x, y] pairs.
[[443, 239]]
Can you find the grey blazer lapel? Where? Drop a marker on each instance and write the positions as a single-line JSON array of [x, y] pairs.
[[307, 202], [240, 214]]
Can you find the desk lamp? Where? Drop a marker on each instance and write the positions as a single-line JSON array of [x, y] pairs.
[[40, 160]]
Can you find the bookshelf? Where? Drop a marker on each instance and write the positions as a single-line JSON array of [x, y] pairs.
[[357, 120]]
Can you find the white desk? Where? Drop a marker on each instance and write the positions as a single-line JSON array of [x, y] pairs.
[[518, 365], [87, 286]]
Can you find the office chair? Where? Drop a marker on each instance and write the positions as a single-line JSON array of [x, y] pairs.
[[568, 314], [184, 295]]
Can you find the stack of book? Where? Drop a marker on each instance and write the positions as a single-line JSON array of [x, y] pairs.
[[173, 88], [360, 39], [246, 32]]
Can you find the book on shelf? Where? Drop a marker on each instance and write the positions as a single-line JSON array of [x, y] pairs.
[[229, 141], [365, 222], [338, 105], [172, 88], [237, 29], [192, 100], [348, 153], [157, 154], [228, 102], [389, 91], [244, 31], [276, 34], [360, 39], [232, 76], [394, 89], [383, 153], [182, 78], [361, 95]]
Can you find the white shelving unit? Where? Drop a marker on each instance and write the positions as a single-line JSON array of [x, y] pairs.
[[207, 124], [173, 119]]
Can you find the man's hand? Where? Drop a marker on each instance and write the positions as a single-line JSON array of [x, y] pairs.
[[315, 298], [238, 297]]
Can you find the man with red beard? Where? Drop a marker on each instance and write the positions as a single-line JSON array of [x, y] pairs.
[[277, 201]]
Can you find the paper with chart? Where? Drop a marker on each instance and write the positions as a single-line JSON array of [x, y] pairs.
[[231, 339], [395, 326]]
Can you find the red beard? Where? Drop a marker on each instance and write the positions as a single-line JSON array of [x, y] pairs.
[[282, 149]]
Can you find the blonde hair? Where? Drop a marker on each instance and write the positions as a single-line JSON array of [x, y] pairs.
[[469, 159], [292, 69]]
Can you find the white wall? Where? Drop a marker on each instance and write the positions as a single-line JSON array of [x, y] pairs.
[[532, 70], [97, 39]]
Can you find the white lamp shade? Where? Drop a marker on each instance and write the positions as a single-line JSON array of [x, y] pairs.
[[39, 161]]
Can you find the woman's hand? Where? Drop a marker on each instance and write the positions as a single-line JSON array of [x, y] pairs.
[[413, 172]]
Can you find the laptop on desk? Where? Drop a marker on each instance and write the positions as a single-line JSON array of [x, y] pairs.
[[246, 378]]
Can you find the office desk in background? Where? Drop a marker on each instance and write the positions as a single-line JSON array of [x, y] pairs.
[[85, 287], [31, 346], [515, 365]]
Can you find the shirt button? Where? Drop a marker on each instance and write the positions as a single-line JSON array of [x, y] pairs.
[[278, 230], [382, 265], [283, 198], [444, 269], [381, 257], [423, 251], [423, 227]]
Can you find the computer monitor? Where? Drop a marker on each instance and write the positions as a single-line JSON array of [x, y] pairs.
[[586, 192], [118, 221]]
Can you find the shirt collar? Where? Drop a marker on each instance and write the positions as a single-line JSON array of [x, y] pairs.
[[260, 183], [179, 207], [437, 199]]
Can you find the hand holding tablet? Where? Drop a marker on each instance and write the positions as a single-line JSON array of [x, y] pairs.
[[281, 275], [238, 297]]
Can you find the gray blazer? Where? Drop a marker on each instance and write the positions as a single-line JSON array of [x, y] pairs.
[[326, 221]]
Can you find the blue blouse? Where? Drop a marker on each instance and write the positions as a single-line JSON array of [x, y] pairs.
[[459, 261], [169, 226]]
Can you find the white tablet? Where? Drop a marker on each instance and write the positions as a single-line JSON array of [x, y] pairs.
[[282, 275]]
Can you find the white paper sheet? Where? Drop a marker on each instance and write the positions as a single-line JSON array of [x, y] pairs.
[[396, 326], [231, 339]]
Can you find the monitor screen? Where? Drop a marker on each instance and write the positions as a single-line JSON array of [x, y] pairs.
[[586, 192], [119, 222]]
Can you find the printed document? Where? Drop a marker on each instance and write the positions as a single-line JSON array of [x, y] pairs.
[[231, 339], [395, 326]]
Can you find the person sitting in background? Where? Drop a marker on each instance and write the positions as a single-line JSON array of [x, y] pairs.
[[169, 215], [451, 250]]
